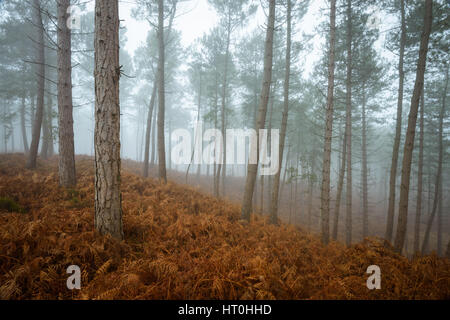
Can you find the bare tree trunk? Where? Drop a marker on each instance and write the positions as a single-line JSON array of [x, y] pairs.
[[439, 220], [221, 170], [216, 165], [365, 192], [419, 179], [296, 204], [51, 149], [154, 136], [161, 95], [447, 253], [45, 131], [269, 137], [411, 131], [32, 111], [438, 184], [67, 173], [40, 65], [108, 199], [47, 145], [199, 108], [5, 130], [290, 200], [310, 199], [265, 92], [348, 124], [47, 137], [398, 130], [340, 187], [22, 124], [276, 183], [169, 144], [261, 205], [148, 130], [286, 166], [326, 166], [224, 115]]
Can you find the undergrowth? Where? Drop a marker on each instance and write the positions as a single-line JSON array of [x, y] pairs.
[[181, 244]]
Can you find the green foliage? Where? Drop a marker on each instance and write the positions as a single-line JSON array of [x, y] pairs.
[[10, 205]]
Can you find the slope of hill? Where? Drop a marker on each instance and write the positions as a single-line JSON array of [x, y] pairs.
[[180, 244]]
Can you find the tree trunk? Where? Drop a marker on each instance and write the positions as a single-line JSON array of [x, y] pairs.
[[398, 130], [45, 131], [411, 130], [276, 183], [265, 92], [216, 165], [47, 138], [161, 95], [365, 192], [269, 138], [438, 184], [419, 179], [32, 111], [348, 216], [296, 203], [439, 220], [67, 173], [310, 199], [326, 166], [40, 65], [447, 253], [286, 166], [340, 187], [221, 169], [148, 130], [51, 150], [199, 108], [108, 199], [261, 194], [22, 125], [154, 136]]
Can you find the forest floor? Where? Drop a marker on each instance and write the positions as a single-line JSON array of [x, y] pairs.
[[180, 244]]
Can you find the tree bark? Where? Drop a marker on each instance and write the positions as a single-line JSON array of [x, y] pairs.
[[326, 162], [221, 169], [276, 183], [438, 184], [51, 150], [340, 187], [419, 179], [265, 92], [22, 124], [40, 65], [45, 130], [148, 130], [161, 95], [439, 220], [447, 252], [411, 130], [199, 108], [348, 216], [67, 173], [216, 106], [365, 192], [154, 136], [108, 199], [398, 130], [310, 199]]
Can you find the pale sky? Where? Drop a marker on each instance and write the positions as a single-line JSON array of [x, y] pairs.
[[193, 19], [196, 17]]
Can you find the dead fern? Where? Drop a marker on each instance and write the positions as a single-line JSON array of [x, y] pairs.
[[181, 244]]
